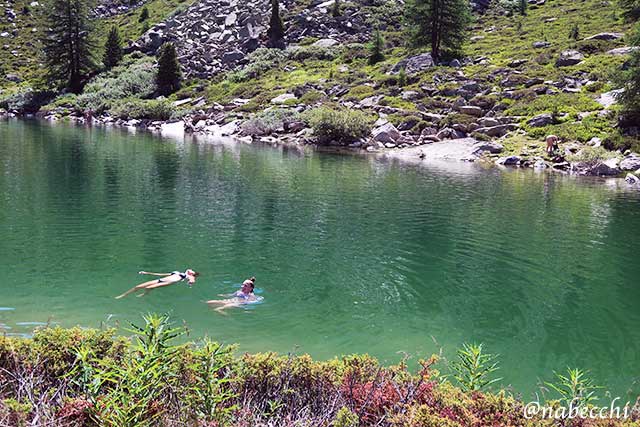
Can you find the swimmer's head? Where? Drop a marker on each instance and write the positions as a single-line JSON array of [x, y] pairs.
[[190, 272], [248, 285]]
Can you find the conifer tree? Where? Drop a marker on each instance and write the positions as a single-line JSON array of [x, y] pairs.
[[629, 79], [377, 46], [144, 14], [335, 11], [523, 7], [276, 27], [169, 76], [67, 45], [630, 9], [112, 49], [441, 24]]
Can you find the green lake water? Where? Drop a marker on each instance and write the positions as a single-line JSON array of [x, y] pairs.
[[351, 254]]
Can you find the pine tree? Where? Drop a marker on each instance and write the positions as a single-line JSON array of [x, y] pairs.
[[276, 27], [574, 33], [169, 76], [67, 45], [629, 79], [112, 49], [377, 46], [144, 14], [631, 9], [442, 24], [335, 11], [523, 7]]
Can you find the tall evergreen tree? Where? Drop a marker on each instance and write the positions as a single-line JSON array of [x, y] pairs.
[[68, 46], [377, 46], [276, 27], [631, 9], [442, 24], [335, 10], [169, 76], [629, 79], [144, 14], [112, 49], [524, 4]]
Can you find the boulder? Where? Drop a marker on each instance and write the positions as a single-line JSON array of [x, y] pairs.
[[13, 78], [569, 58], [232, 56], [508, 161], [541, 120], [325, 43], [414, 64], [608, 167], [607, 99], [632, 179], [619, 51], [482, 147], [541, 45], [472, 110], [281, 99], [630, 162], [387, 133], [606, 36], [497, 131]]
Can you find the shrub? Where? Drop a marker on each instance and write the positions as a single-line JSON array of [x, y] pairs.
[[339, 126], [304, 53], [311, 97], [153, 109], [135, 78], [28, 101], [260, 61], [346, 418], [268, 121], [360, 92], [590, 156]]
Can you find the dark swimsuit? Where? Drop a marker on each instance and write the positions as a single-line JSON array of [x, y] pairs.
[[182, 276]]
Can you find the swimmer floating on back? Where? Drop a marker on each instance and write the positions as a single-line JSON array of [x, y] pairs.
[[244, 296], [167, 279]]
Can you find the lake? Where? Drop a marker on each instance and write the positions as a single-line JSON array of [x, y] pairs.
[[352, 254]]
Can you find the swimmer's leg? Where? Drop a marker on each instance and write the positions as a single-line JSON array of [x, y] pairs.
[[222, 307], [137, 288], [218, 302]]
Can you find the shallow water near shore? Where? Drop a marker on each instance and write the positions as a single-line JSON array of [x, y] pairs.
[[352, 254]]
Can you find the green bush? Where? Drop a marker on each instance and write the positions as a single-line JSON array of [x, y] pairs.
[[153, 109], [591, 156], [268, 121], [338, 126], [260, 61], [135, 78], [360, 92], [304, 53]]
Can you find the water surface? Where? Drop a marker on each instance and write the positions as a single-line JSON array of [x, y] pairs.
[[352, 254]]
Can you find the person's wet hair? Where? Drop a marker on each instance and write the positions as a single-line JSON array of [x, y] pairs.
[[253, 279]]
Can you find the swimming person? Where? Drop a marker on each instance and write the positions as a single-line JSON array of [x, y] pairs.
[[244, 296], [167, 279]]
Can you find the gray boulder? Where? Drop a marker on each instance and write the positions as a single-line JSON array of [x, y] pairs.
[[606, 36], [541, 45], [325, 43], [630, 163], [632, 179], [414, 64], [497, 131], [232, 56], [508, 161], [541, 120], [569, 58], [387, 133], [471, 110], [482, 147]]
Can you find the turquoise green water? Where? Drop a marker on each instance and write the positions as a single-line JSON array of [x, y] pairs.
[[351, 254]]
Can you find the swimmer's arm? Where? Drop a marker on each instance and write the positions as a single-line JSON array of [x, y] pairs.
[[154, 274]]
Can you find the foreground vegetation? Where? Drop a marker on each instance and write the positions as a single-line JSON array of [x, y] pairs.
[[77, 377]]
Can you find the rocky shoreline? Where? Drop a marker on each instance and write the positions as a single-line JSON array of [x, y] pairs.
[[385, 140]]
